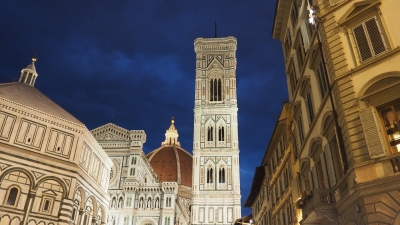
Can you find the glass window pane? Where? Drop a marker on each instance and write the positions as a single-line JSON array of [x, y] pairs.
[[12, 196]]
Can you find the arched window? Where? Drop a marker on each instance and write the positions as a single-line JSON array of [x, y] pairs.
[[221, 134], [215, 90], [221, 175], [12, 196], [210, 134], [114, 203], [209, 175]]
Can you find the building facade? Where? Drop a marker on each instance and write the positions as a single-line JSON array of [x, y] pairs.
[[216, 180], [271, 197], [152, 189], [343, 78], [52, 170]]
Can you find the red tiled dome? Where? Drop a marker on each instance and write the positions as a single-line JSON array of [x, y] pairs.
[[172, 164]]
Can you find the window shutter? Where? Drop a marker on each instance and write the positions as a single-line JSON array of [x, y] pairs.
[[278, 183], [375, 36], [283, 183], [304, 34], [295, 189], [329, 165], [311, 180], [324, 172], [362, 42], [296, 66], [372, 135], [286, 215], [315, 177]]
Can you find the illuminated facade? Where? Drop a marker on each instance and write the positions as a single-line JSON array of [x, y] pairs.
[[346, 156], [271, 191], [146, 190], [52, 170], [216, 181]]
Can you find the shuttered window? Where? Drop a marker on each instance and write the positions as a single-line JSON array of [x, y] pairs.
[[292, 78], [322, 79], [369, 39], [324, 168], [300, 129], [315, 177], [372, 135], [310, 108], [330, 165]]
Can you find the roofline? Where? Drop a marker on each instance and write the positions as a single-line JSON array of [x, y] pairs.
[[255, 185], [273, 25]]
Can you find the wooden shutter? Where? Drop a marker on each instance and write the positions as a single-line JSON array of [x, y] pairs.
[[375, 36], [295, 189], [278, 183], [283, 181], [286, 215], [304, 34], [311, 180], [324, 170], [372, 135], [329, 165], [362, 42], [296, 65], [315, 177]]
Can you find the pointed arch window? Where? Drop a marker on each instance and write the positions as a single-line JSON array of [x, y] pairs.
[[222, 175], [215, 90], [210, 175], [12, 196], [210, 132], [221, 133]]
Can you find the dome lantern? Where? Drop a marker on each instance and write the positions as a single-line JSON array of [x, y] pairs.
[[171, 136], [29, 74]]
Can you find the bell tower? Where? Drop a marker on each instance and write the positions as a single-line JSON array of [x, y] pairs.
[[216, 180]]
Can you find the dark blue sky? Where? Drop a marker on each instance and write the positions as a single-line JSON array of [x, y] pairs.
[[132, 63]]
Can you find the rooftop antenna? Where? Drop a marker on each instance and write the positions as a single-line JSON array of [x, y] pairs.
[[215, 29]]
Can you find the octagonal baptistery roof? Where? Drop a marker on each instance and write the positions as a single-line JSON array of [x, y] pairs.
[[171, 162]]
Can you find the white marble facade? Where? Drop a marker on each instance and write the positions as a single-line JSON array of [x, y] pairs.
[[52, 170], [216, 180], [137, 195]]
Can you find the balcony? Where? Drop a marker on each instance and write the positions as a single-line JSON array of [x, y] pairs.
[[317, 206]]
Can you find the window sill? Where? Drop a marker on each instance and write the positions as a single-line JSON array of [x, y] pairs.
[[369, 62]]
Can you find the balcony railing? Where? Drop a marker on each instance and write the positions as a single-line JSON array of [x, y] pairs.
[[316, 200]]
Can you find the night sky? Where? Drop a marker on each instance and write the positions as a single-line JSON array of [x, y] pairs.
[[132, 63]]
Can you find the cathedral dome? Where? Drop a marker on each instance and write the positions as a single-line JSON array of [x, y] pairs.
[[171, 162]]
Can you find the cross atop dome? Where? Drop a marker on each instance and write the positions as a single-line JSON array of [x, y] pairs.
[[29, 74], [171, 136]]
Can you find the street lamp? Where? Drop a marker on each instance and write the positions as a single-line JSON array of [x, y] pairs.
[[312, 19]]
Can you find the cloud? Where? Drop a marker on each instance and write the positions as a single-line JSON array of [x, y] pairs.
[[132, 63]]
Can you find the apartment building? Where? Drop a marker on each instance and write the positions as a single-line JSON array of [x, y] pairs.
[[342, 64]]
